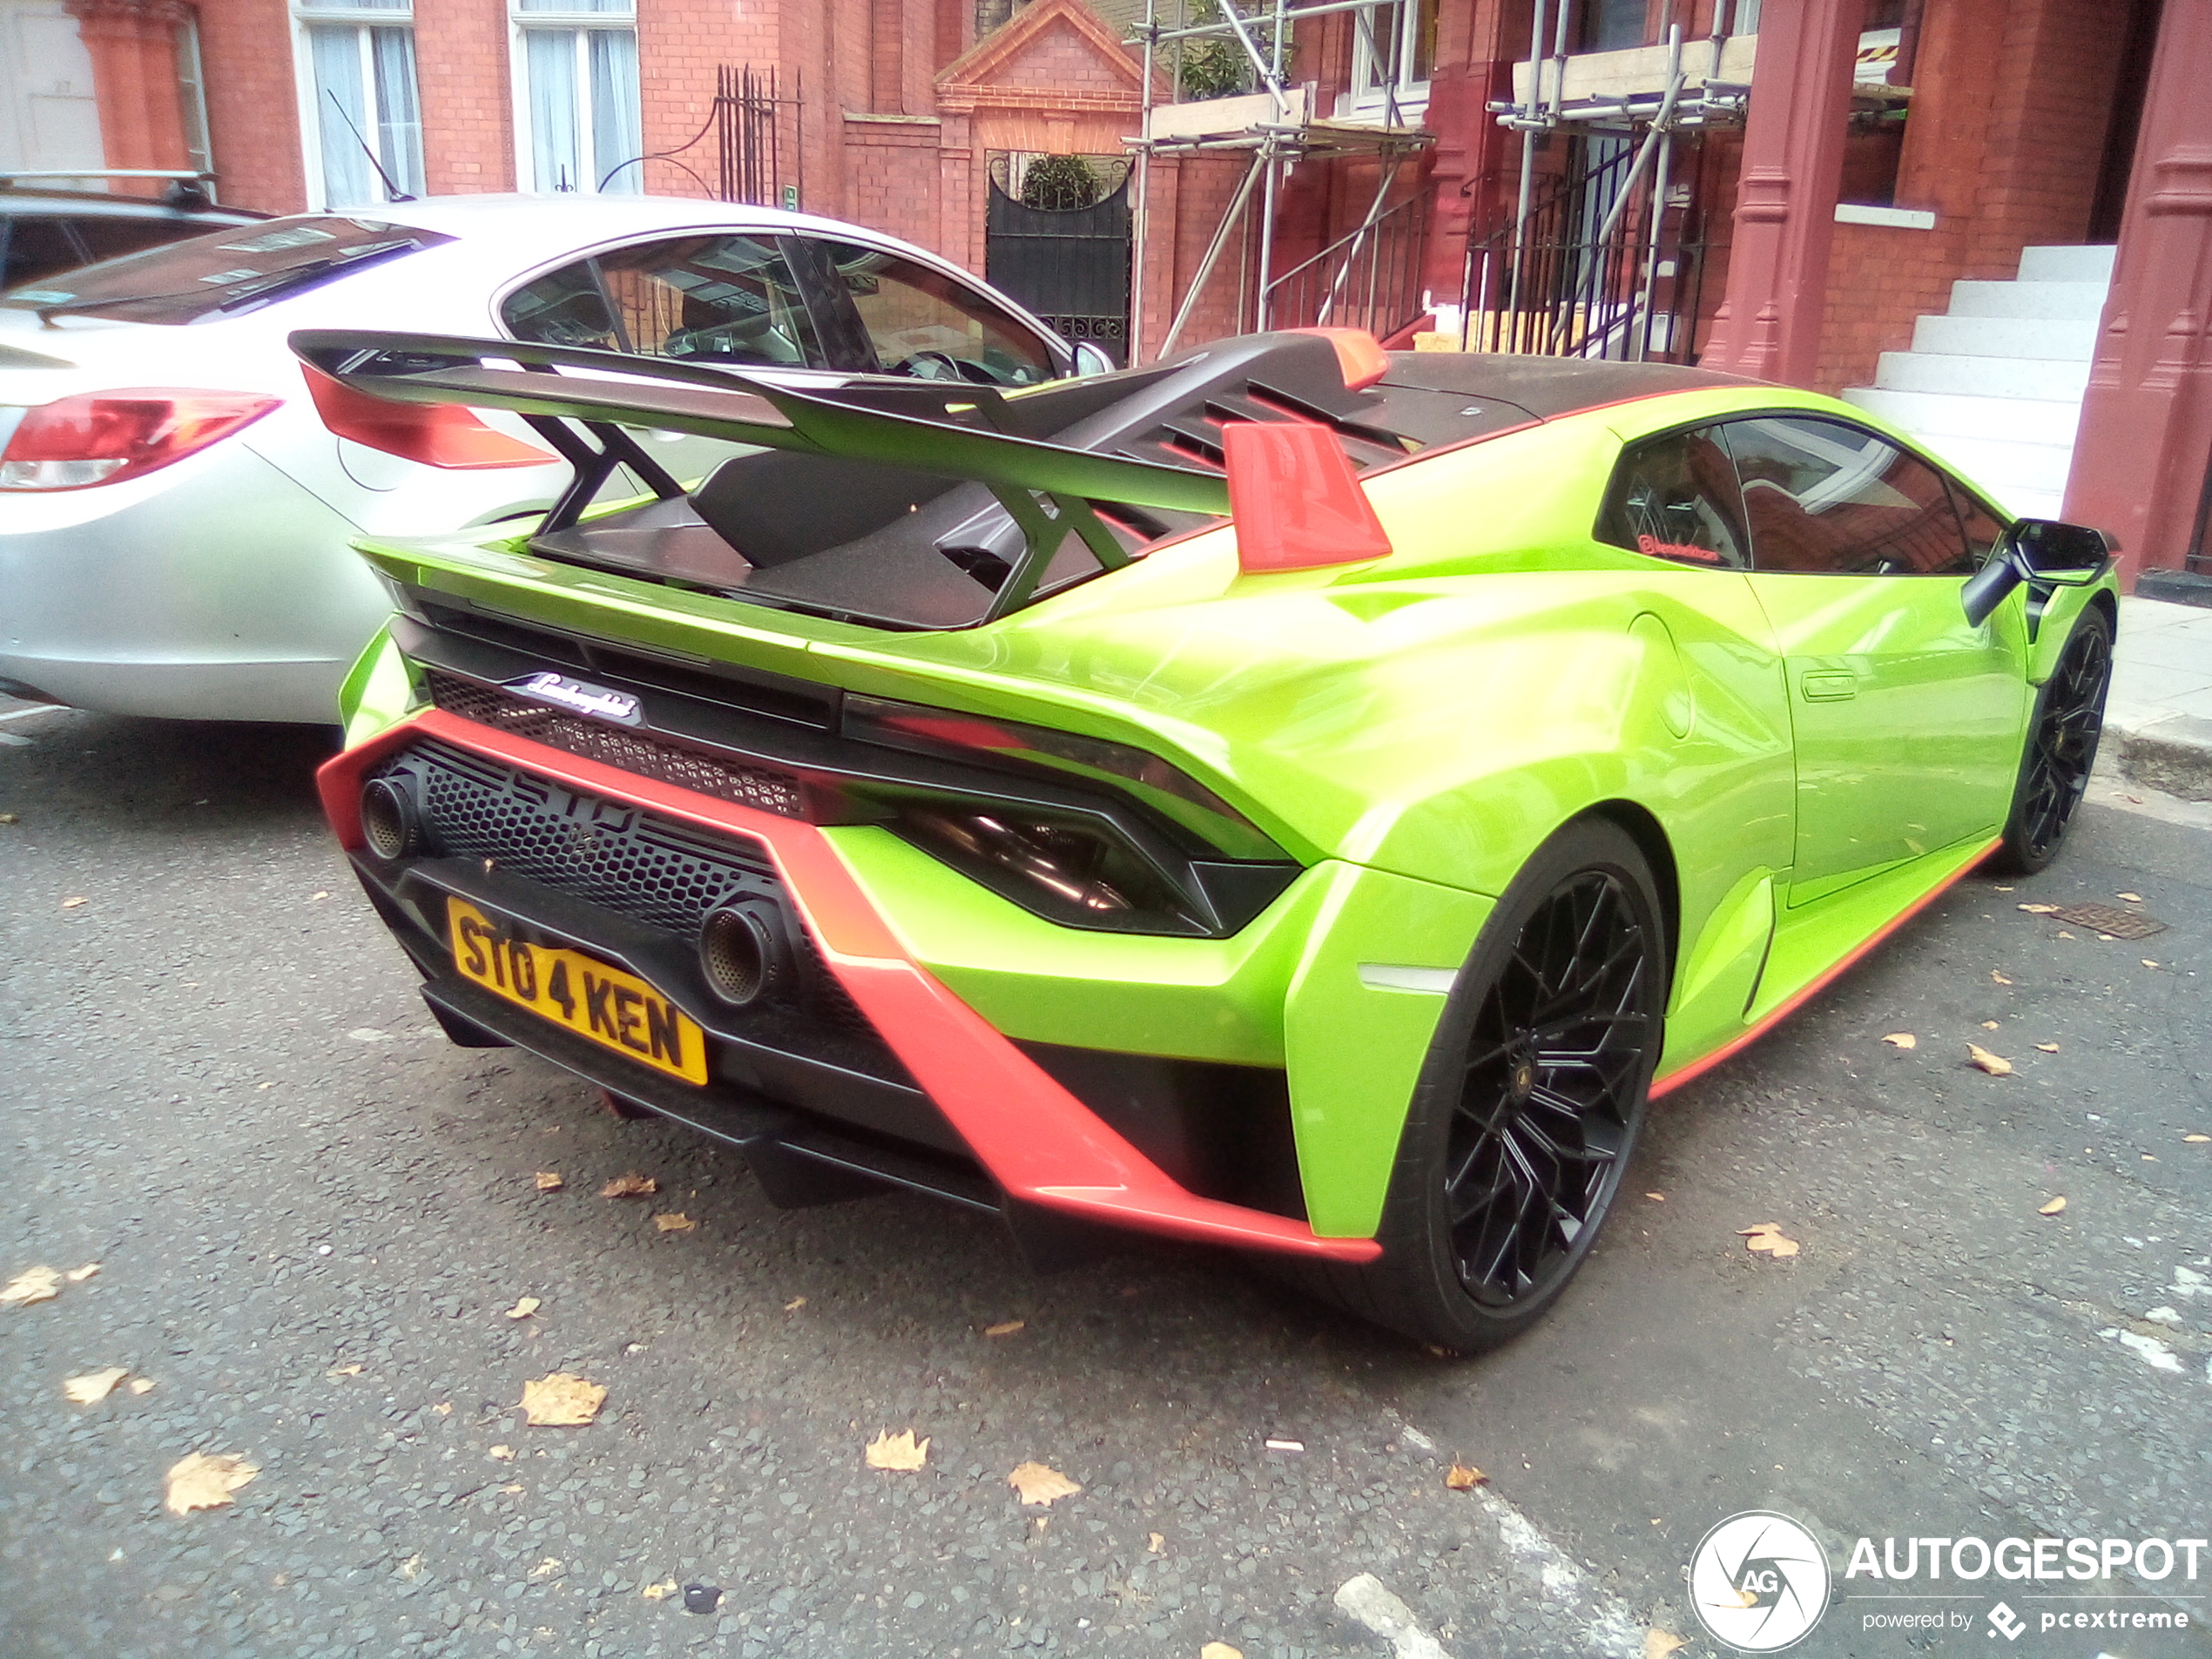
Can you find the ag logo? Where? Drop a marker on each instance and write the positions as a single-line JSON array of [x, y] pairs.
[[1758, 1583]]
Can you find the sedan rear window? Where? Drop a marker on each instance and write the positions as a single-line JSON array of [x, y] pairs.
[[224, 273]]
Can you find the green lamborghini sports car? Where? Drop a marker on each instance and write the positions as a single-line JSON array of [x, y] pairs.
[[1293, 797]]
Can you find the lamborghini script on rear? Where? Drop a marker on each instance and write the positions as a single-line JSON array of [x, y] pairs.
[[1292, 798]]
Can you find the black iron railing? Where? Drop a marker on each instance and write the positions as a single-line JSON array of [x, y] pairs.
[[1368, 278]]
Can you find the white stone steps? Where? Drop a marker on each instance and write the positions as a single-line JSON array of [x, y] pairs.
[[2088, 263], [2052, 378], [2038, 337], [2057, 301], [2003, 464], [2023, 420]]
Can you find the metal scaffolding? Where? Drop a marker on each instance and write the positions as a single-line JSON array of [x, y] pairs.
[[1277, 127]]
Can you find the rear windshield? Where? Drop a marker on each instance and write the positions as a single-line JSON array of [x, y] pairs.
[[222, 273]]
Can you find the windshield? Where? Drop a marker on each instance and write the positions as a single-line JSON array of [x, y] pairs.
[[223, 272]]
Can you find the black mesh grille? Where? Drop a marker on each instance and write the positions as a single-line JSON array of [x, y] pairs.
[[649, 757], [622, 858]]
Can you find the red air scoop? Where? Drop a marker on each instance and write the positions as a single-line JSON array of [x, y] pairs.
[[1296, 500]]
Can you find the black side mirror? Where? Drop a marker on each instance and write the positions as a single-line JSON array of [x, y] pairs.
[[2036, 550]]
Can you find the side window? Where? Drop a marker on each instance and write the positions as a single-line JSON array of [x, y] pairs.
[[923, 323], [712, 298], [1674, 497], [1822, 497], [1984, 528], [563, 308], [38, 247]]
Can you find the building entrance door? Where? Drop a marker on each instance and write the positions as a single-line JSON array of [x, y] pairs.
[[1069, 264]]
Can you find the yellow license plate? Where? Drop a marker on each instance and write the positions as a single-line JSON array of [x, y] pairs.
[[614, 1009]]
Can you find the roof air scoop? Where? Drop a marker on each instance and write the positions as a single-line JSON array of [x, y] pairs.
[[1296, 500]]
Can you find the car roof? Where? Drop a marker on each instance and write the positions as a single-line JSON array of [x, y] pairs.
[[95, 204], [533, 224], [1549, 387]]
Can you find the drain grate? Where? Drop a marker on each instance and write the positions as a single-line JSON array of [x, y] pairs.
[[2113, 924]]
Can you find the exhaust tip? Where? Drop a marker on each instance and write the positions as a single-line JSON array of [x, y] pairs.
[[388, 822]]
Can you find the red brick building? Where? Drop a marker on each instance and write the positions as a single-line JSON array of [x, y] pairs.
[[1903, 199]]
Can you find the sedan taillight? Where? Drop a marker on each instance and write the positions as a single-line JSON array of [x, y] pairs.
[[104, 437]]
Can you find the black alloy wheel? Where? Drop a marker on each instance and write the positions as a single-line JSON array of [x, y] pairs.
[[1521, 1128], [2062, 747]]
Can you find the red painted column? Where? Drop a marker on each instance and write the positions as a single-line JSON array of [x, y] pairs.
[[1769, 324], [2140, 461], [133, 47]]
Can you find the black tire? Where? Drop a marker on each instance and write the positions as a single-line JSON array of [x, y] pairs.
[[1512, 1151], [2062, 748]]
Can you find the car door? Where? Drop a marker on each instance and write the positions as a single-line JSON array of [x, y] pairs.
[[913, 319], [1907, 717]]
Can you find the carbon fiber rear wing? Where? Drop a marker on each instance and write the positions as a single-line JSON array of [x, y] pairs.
[[955, 431]]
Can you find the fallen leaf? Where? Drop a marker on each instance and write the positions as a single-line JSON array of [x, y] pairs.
[[1656, 1198], [2040, 909], [1034, 1483], [2064, 934], [2133, 898], [9, 818], [79, 1274], [204, 1482], [2047, 1047], [1220, 1650], [1989, 1025], [343, 1371], [2196, 1140], [1995, 1065], [2148, 963], [1902, 1040], [32, 1284], [411, 1565], [630, 1186], [1998, 977], [444, 1408], [549, 1181], [95, 1385], [1657, 1644], [1749, 1598], [1004, 1329], [504, 1453], [1767, 1237], [562, 1400], [659, 1592], [1158, 1544], [794, 1304], [525, 1307], [900, 1450], [71, 904], [1462, 1477], [2053, 1208], [141, 1385], [674, 1222]]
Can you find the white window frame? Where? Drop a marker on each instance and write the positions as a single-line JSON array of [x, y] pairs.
[[1369, 97], [362, 18], [520, 23]]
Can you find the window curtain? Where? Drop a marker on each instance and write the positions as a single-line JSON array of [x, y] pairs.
[[615, 125], [556, 161], [347, 181], [399, 136]]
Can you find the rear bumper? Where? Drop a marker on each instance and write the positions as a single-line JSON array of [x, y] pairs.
[[960, 1096]]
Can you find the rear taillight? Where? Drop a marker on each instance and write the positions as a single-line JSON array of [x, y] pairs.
[[104, 437], [438, 434]]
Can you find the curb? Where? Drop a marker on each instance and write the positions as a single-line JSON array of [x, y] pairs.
[[2167, 750]]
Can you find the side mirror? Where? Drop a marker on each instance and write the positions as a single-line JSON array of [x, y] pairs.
[[1091, 359], [2036, 550]]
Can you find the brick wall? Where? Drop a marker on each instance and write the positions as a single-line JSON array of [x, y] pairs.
[[252, 103], [460, 73]]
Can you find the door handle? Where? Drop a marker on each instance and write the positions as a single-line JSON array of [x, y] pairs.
[[1829, 685]]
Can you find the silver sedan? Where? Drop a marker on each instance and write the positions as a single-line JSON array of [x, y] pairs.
[[178, 494]]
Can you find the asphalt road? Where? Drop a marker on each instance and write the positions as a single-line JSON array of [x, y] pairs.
[[313, 1217]]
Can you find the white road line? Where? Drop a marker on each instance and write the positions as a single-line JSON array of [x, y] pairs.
[[1365, 1599]]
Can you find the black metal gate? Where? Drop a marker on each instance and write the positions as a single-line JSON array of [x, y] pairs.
[[1070, 266]]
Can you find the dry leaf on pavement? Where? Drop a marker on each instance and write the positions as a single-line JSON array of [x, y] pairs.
[[562, 1400], [2196, 1140], [1004, 1328], [141, 1385], [1902, 1040], [79, 1274], [794, 1304], [1462, 1477], [336, 1372], [95, 1385], [204, 1482], [2133, 898], [550, 1181], [633, 1185], [1158, 1544], [1996, 1065], [504, 1453], [2148, 963], [674, 1222], [2040, 909], [900, 1450], [1220, 1650], [1657, 1644], [2047, 1047], [2055, 1207], [525, 1307], [1035, 1484], [1767, 1237], [71, 903], [1656, 1198], [659, 1592], [1998, 977], [32, 1284]]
